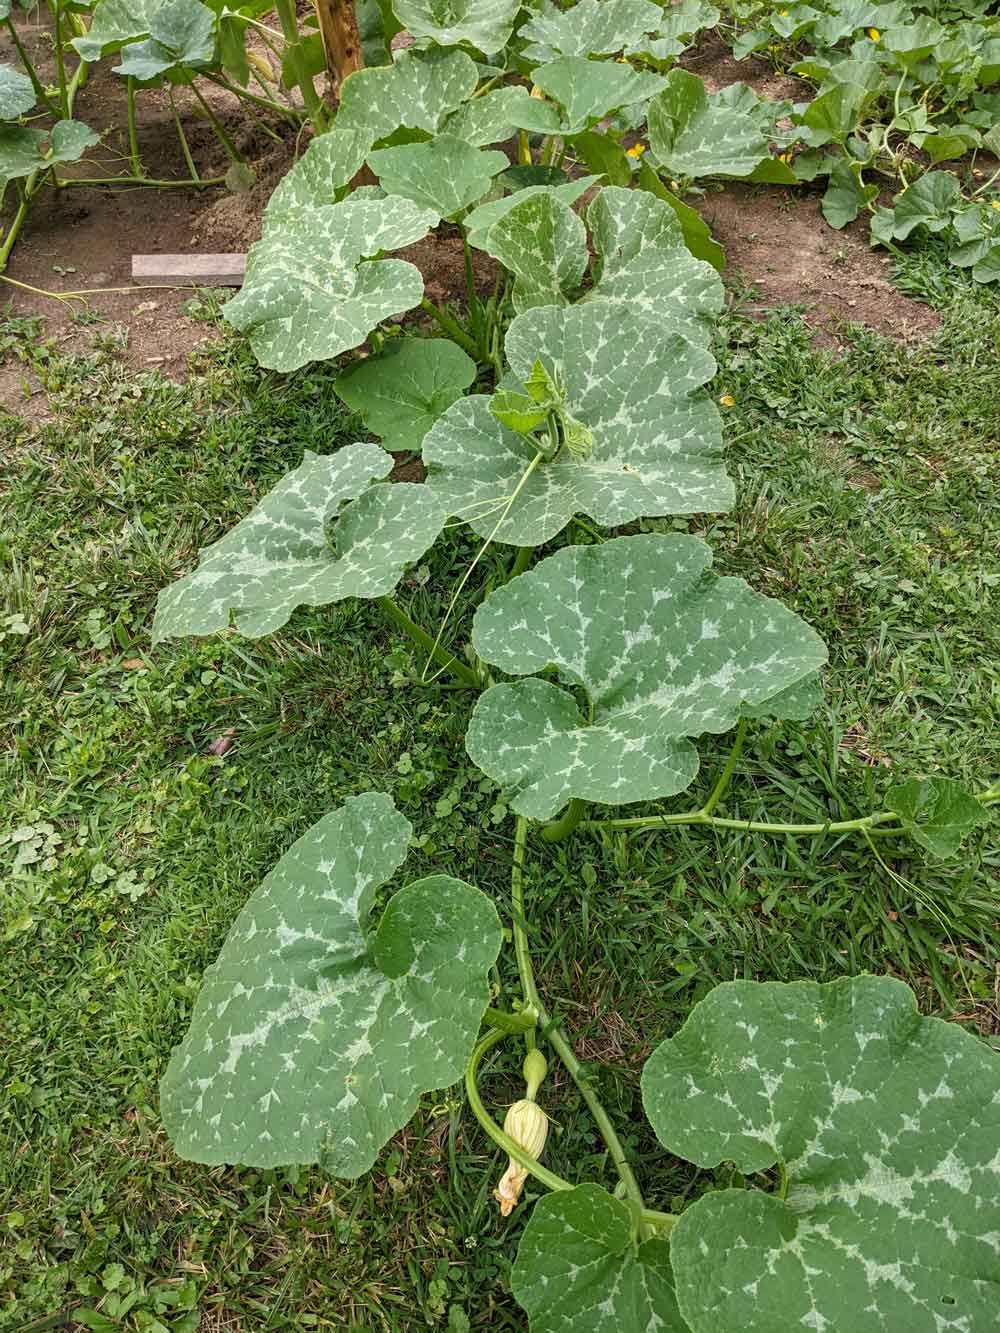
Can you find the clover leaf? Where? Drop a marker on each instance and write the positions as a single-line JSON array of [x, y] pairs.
[[579, 1268], [484, 24], [302, 1046], [401, 393], [690, 134], [653, 440], [308, 295], [16, 93], [937, 813], [418, 90], [884, 1124], [278, 557], [662, 651], [590, 28], [589, 90], [445, 174]]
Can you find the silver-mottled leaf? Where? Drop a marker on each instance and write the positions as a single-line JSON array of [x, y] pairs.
[[579, 1269], [590, 28], [401, 393], [543, 243], [662, 651], [279, 558], [887, 1126], [418, 90], [329, 164], [690, 134], [589, 90], [115, 23], [444, 175], [478, 222], [496, 116], [483, 24], [181, 33], [308, 296], [656, 437], [313, 1038], [645, 265]]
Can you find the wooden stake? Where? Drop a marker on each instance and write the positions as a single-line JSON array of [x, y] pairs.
[[341, 43], [199, 270]]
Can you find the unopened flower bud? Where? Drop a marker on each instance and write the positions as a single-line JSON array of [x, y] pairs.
[[534, 1069], [528, 1125]]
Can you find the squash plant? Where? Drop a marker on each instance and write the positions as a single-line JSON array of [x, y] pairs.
[[863, 1135]]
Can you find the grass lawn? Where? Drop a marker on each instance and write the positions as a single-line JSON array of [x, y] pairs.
[[869, 500]]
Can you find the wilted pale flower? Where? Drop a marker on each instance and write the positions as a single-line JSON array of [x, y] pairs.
[[528, 1125]]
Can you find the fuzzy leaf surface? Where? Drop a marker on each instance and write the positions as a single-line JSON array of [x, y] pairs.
[[590, 28], [645, 265], [309, 296], [484, 24], [662, 650], [937, 813], [17, 96], [401, 393], [23, 151], [589, 90], [444, 175], [692, 135], [279, 558], [496, 115], [578, 1270], [417, 90], [886, 1123], [656, 438], [115, 23], [313, 1037]]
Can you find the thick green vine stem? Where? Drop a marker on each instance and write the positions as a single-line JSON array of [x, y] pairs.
[[564, 826], [650, 1217], [524, 1021], [550, 1031], [423, 640]]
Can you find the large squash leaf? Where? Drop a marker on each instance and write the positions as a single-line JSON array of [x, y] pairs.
[[644, 264], [675, 31], [418, 90], [329, 164], [589, 90], [308, 295], [590, 28], [484, 24], [23, 150], [654, 437], [690, 134], [279, 558], [579, 1269], [662, 651], [445, 174], [886, 1125], [401, 393], [181, 34], [496, 115], [543, 243], [313, 1036], [479, 221], [16, 93]]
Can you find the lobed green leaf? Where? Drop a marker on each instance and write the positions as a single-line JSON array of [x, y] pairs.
[[313, 1038]]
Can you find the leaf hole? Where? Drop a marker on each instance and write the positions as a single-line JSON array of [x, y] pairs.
[[947, 1300]]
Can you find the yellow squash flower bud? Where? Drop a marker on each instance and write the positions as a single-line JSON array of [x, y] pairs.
[[534, 1069], [262, 66], [528, 1125]]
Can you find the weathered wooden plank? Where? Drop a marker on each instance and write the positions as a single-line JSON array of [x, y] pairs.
[[200, 270]]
